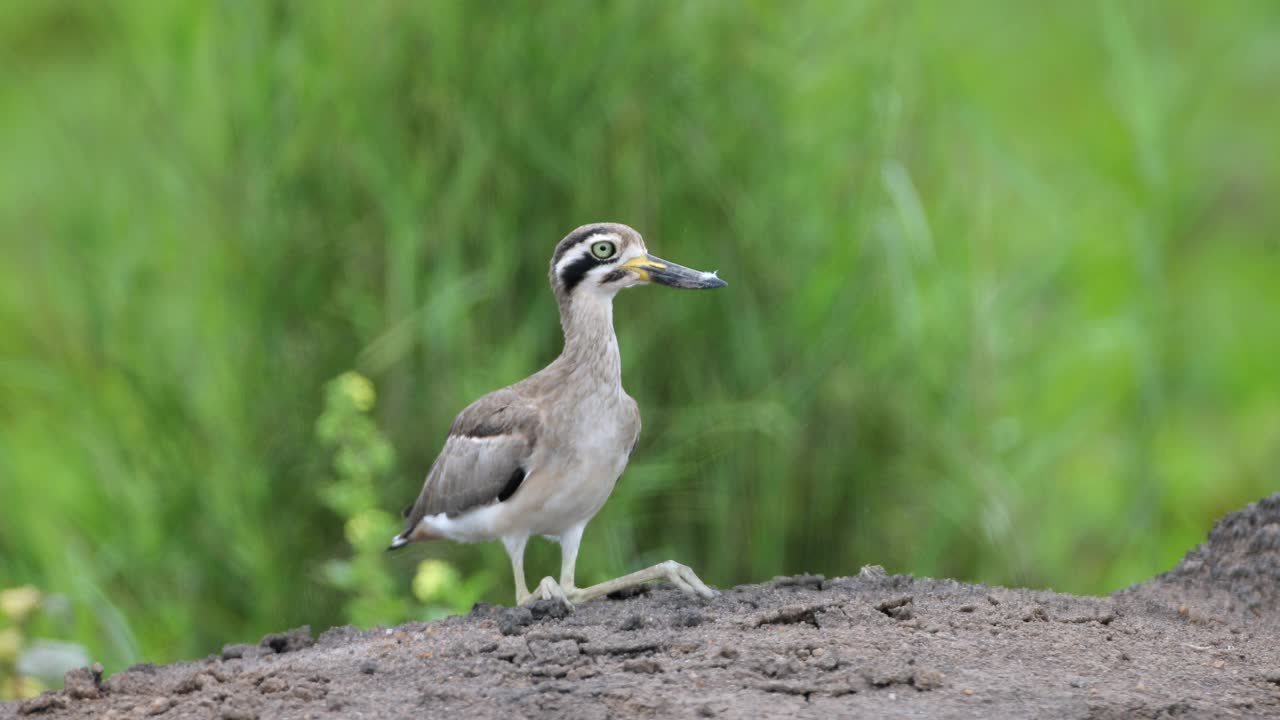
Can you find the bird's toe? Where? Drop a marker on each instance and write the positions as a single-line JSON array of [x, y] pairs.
[[549, 589], [684, 578]]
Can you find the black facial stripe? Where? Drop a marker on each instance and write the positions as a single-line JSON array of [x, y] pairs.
[[572, 242], [613, 277], [576, 270]]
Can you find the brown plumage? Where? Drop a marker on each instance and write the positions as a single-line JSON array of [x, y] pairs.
[[541, 456]]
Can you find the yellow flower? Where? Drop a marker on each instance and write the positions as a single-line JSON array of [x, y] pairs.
[[18, 603], [359, 389], [10, 645], [433, 578], [26, 687]]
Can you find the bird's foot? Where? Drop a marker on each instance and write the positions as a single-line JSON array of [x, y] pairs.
[[681, 576], [684, 578], [549, 589]]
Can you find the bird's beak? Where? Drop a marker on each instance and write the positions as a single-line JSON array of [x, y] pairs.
[[654, 269]]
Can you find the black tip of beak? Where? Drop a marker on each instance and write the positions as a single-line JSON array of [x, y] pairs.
[[681, 277], [665, 272]]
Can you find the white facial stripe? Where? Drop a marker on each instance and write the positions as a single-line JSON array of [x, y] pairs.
[[633, 253], [584, 248]]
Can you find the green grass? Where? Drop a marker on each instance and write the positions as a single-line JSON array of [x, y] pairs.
[[1003, 280]]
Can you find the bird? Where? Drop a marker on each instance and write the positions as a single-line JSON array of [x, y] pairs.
[[541, 457]]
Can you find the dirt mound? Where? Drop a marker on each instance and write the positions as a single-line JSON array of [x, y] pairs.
[[871, 645], [1236, 571]]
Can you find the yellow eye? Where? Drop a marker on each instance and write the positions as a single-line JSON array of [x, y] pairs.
[[603, 249]]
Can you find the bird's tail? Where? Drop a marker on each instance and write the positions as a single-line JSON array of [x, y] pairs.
[[399, 541], [402, 539]]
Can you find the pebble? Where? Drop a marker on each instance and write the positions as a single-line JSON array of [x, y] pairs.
[[159, 706], [642, 665], [633, 622]]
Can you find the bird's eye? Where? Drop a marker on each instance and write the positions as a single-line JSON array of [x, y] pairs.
[[603, 249]]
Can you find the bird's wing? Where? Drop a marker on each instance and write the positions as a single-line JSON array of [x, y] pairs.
[[484, 459]]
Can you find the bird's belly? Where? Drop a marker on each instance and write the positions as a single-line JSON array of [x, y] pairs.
[[581, 490], [567, 485]]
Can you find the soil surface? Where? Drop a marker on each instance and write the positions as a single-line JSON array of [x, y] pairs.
[[1202, 640]]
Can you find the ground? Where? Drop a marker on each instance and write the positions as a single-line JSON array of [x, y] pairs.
[[1202, 640]]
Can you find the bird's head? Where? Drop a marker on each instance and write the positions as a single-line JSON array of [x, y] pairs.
[[603, 258]]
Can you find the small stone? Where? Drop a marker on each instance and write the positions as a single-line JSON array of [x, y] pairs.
[[800, 581], [642, 665], [899, 608], [309, 693], [84, 683], [558, 652], [633, 622], [47, 700], [688, 618], [554, 609], [289, 641], [235, 651], [482, 609], [339, 635], [273, 685], [197, 681], [238, 713], [368, 667], [159, 706], [511, 621], [1037, 613]]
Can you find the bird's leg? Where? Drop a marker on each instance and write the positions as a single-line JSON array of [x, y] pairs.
[[563, 591], [679, 575], [569, 542], [515, 550]]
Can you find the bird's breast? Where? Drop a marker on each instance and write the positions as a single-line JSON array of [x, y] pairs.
[[580, 464]]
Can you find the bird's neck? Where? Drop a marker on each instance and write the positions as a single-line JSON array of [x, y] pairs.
[[590, 345]]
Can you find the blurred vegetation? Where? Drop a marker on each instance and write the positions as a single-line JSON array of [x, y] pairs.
[[1002, 301], [16, 608], [362, 459], [29, 664]]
